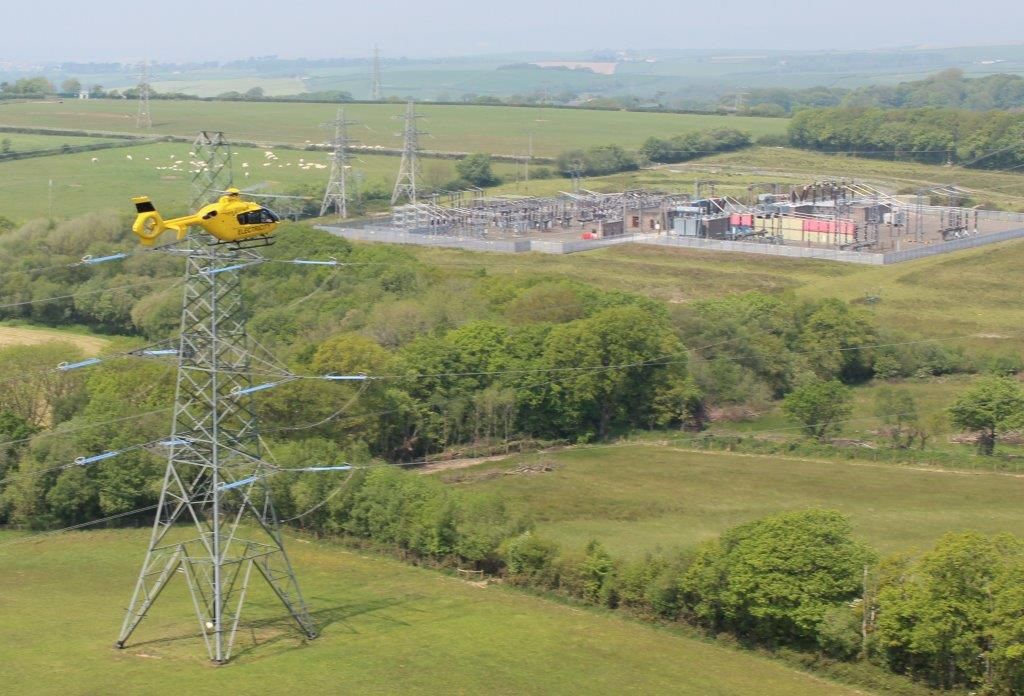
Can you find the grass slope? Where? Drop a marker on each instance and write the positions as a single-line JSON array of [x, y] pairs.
[[966, 297], [491, 129], [386, 628], [637, 498]]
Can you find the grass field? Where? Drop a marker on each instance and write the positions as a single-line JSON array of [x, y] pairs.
[[107, 184], [271, 86], [490, 129], [930, 395], [735, 172], [32, 336], [636, 498], [27, 142], [386, 628]]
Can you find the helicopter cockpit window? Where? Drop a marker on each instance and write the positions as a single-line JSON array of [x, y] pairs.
[[257, 217]]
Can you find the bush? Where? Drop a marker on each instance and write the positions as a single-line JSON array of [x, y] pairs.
[[776, 579], [597, 161], [692, 145], [530, 561], [773, 140], [839, 634]]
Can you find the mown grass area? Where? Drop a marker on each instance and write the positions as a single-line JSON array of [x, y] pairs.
[[13, 334], [82, 185], [636, 498], [490, 129], [386, 628]]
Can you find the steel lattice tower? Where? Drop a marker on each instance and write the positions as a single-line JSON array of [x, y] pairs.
[[142, 117], [211, 157], [376, 92], [215, 520], [409, 168], [335, 195]]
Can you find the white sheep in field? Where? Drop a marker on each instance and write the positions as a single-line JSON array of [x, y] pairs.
[[95, 159], [128, 157]]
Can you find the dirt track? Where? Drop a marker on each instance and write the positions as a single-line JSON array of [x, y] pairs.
[[450, 464]]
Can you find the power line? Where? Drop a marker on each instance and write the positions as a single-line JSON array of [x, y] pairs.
[[33, 537], [654, 362], [83, 293], [87, 426]]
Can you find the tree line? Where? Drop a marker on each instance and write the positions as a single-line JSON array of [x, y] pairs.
[[610, 159], [984, 140], [948, 89]]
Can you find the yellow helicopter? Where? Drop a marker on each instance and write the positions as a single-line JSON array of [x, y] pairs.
[[231, 219]]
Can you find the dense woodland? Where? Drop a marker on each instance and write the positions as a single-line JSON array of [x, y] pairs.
[[984, 140], [501, 363], [949, 89]]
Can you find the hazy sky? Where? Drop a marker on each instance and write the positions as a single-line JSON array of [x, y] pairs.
[[191, 30]]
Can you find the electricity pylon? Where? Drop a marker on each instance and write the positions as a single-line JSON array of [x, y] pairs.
[[376, 90], [408, 170], [211, 157], [215, 520], [142, 117], [335, 194]]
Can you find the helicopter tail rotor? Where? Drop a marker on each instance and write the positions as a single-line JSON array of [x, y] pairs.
[[148, 223]]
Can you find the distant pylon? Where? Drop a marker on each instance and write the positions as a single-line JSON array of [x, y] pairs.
[[408, 170], [376, 93], [210, 163], [335, 195], [142, 117], [215, 522]]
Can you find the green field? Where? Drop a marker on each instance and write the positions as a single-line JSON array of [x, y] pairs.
[[82, 185], [272, 86], [27, 142], [386, 628], [735, 172], [490, 129], [637, 498], [930, 395]]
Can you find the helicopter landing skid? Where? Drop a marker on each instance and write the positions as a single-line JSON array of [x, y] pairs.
[[253, 243]]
